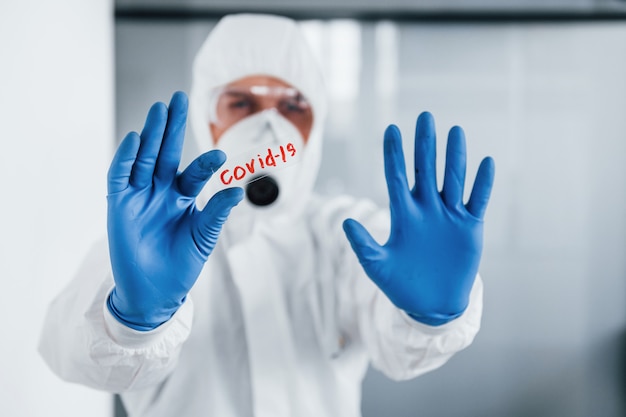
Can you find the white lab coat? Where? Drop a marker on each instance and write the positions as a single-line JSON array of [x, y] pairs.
[[284, 322]]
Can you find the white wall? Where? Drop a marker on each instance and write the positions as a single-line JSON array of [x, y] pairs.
[[56, 118]]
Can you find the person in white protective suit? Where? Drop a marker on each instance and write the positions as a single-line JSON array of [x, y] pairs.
[[282, 314]]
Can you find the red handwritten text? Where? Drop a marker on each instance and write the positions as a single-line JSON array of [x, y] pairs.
[[271, 159]]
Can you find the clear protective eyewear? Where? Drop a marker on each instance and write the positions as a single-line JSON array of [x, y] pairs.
[[230, 104]]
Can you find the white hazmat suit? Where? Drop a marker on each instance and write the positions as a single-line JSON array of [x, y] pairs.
[[282, 321]]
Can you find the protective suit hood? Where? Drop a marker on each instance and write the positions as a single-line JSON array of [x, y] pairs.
[[251, 44]]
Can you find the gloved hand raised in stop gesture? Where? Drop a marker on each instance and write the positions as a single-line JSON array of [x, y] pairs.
[[428, 265], [158, 239]]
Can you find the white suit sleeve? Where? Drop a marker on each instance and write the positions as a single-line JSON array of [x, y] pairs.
[[403, 348], [396, 345], [83, 343]]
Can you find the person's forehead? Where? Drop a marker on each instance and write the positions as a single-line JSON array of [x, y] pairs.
[[259, 80]]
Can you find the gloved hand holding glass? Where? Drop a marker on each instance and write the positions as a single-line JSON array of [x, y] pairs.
[[158, 239], [428, 265]]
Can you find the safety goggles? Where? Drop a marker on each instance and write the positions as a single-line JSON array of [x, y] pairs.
[[228, 104]]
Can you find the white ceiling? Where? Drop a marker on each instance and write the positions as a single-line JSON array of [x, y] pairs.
[[388, 6]]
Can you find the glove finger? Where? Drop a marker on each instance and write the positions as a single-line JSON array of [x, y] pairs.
[[454, 177], [172, 146], [151, 137], [425, 158], [395, 170], [367, 250], [213, 216], [195, 176], [122, 164], [481, 191]]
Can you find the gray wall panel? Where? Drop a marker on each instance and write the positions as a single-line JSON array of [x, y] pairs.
[[547, 102]]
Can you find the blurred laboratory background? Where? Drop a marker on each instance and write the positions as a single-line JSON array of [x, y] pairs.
[[542, 89], [538, 85]]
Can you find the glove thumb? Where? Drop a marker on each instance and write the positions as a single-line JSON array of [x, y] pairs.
[[213, 216], [367, 250]]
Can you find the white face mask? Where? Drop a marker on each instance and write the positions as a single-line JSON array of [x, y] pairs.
[[264, 130]]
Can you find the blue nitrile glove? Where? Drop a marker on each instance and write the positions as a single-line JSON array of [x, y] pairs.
[[428, 265], [158, 239]]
